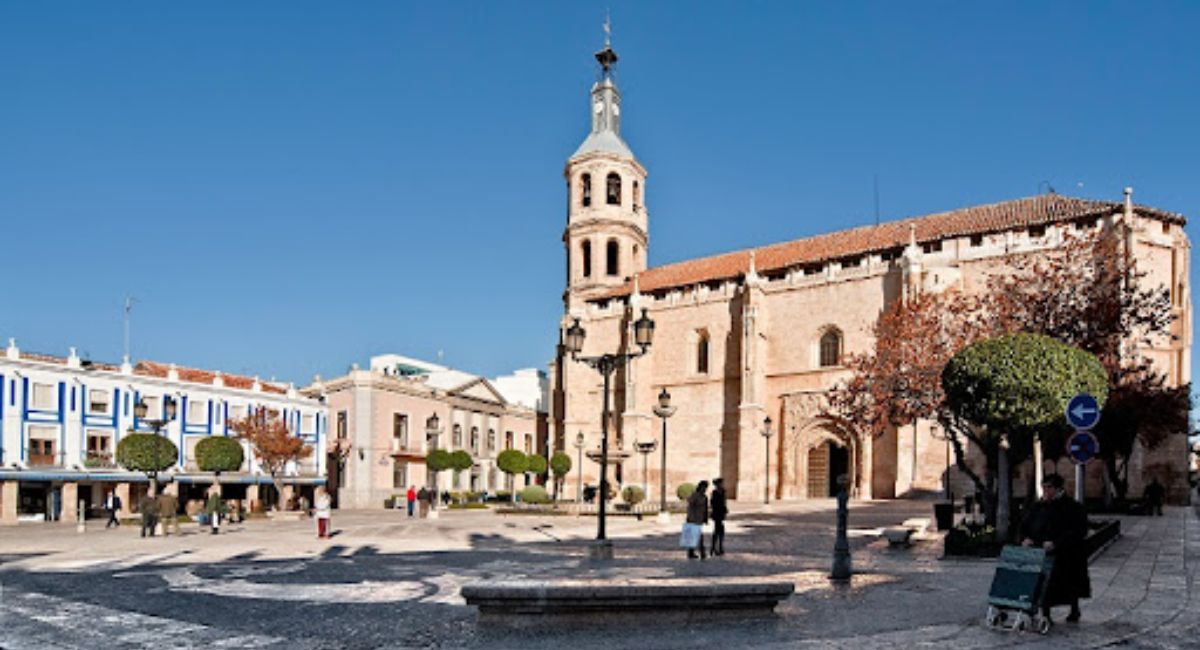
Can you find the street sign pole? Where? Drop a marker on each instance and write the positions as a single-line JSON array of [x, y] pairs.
[[1079, 478], [1083, 412]]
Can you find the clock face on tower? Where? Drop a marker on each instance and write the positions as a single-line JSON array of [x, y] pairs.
[[598, 107]]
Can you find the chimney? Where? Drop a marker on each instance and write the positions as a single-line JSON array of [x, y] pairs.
[[172, 373], [1128, 203], [126, 367], [218, 379], [73, 358], [12, 352], [257, 386]]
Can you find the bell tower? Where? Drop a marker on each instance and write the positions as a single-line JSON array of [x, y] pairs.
[[606, 229]]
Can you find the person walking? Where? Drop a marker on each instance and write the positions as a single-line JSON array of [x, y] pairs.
[[411, 497], [423, 499], [720, 510], [1058, 524], [215, 508], [148, 507], [112, 504], [168, 512], [1153, 496], [697, 516], [323, 507]]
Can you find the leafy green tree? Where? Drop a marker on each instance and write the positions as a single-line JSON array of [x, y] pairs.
[[1011, 390], [147, 452], [219, 454], [439, 460], [560, 464], [512, 462], [536, 465], [633, 494], [460, 461], [685, 490]]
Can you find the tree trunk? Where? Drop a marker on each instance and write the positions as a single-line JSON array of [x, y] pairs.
[[278, 483], [512, 488], [1004, 499]]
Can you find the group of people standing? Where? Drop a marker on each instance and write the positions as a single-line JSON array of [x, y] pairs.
[[163, 509], [700, 508], [419, 501]]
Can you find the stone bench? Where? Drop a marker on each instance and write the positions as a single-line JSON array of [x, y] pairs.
[[522, 601]]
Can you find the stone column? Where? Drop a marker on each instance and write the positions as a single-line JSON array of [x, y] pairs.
[[866, 450], [122, 492], [754, 407], [70, 502], [906, 449], [288, 492], [8, 502], [251, 496]]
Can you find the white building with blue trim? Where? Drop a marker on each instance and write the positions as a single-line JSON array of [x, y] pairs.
[[61, 419]]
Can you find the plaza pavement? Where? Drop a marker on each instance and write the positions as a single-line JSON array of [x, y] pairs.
[[385, 581]]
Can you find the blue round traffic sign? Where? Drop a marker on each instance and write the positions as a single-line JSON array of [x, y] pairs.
[[1082, 446], [1083, 412]]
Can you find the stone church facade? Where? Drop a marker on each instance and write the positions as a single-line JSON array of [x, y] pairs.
[[764, 332]]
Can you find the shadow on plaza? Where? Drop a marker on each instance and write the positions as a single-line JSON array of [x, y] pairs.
[[354, 596]]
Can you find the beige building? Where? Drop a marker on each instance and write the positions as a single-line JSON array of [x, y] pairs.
[[379, 427], [763, 332]]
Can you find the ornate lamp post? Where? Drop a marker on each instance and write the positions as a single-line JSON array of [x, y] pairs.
[[433, 429], [645, 449], [663, 410], [643, 335], [767, 433], [579, 469], [140, 411]]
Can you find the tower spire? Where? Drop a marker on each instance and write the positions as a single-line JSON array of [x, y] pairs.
[[607, 57]]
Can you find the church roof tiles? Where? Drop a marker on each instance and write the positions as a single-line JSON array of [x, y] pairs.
[[982, 219]]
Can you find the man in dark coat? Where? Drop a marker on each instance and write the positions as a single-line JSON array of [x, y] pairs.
[[1058, 524], [1153, 496], [720, 510], [423, 501], [697, 513], [148, 507]]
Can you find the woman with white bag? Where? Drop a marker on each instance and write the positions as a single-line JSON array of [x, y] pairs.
[[697, 515]]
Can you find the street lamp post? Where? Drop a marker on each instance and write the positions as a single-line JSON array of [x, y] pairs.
[[433, 429], [663, 410], [579, 469], [643, 334], [140, 411], [645, 449], [766, 434]]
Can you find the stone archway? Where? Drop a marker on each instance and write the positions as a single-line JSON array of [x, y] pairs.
[[816, 449]]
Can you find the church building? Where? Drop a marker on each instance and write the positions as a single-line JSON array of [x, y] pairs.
[[763, 333]]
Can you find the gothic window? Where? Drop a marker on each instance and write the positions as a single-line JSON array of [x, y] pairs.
[[831, 348], [637, 196], [612, 257], [702, 353], [585, 190], [614, 189], [587, 258]]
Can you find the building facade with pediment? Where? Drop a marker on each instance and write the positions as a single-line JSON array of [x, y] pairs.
[[379, 432], [760, 333]]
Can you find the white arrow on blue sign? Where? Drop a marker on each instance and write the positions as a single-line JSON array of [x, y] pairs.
[[1083, 412]]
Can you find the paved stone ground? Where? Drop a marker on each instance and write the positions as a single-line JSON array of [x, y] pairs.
[[388, 582]]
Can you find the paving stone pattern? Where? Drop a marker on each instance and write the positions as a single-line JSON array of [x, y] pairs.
[[385, 581]]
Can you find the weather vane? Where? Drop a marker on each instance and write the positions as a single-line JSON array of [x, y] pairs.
[[607, 28], [607, 57]]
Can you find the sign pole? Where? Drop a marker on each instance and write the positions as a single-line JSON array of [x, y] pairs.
[[1079, 478]]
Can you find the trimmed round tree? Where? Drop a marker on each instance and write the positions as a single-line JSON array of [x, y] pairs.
[[685, 490], [219, 454], [534, 494], [438, 460], [633, 494], [147, 452], [560, 465], [536, 464], [1015, 388], [460, 461], [512, 462]]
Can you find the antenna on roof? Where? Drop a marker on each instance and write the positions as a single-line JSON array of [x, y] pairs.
[[129, 300], [876, 199], [1049, 187]]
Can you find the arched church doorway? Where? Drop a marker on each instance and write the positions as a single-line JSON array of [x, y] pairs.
[[826, 462]]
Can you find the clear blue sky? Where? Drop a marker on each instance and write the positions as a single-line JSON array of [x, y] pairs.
[[289, 187]]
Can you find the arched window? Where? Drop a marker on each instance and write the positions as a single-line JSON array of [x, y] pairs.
[[457, 440], [702, 353], [491, 440], [613, 257], [614, 189], [587, 258], [637, 196], [831, 348], [585, 190], [474, 438]]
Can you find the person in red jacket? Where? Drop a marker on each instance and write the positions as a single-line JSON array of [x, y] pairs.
[[412, 499]]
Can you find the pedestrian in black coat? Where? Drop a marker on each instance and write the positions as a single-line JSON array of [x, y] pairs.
[[720, 510], [1153, 497], [697, 514], [1059, 524]]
